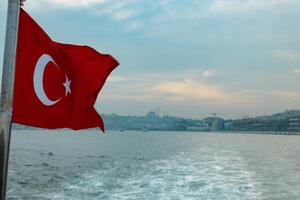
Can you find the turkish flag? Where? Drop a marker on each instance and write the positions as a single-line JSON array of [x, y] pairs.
[[56, 85]]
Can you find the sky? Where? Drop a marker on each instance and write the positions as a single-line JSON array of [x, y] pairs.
[[190, 58]]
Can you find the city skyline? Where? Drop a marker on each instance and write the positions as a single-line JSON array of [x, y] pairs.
[[165, 113], [189, 58]]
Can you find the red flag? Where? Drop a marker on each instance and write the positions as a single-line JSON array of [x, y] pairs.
[[56, 85]]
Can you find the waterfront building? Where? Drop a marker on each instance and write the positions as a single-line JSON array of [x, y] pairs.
[[239, 125], [270, 125], [257, 125], [214, 123], [294, 124]]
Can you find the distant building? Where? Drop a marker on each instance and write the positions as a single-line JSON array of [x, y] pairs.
[[257, 125], [217, 124], [239, 125], [281, 122], [294, 124], [228, 125], [270, 125], [152, 116], [199, 126], [214, 123]]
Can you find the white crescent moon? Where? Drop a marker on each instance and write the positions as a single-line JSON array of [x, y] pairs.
[[38, 80]]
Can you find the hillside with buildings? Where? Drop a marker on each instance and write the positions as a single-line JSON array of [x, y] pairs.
[[288, 121]]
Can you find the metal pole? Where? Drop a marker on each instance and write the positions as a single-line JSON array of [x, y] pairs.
[[7, 89]]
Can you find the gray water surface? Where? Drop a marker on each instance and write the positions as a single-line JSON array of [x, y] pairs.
[[153, 165]]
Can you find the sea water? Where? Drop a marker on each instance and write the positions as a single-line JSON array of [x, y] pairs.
[[153, 165]]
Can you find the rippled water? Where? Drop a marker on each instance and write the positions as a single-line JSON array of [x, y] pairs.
[[153, 165]]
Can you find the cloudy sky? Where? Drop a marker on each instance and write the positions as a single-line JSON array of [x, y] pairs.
[[190, 58]]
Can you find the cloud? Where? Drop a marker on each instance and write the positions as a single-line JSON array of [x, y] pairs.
[[196, 74], [296, 71], [168, 87], [244, 6], [64, 3], [186, 87], [124, 14], [118, 11], [286, 94], [288, 55], [177, 91], [116, 78], [208, 73], [133, 26], [192, 91]]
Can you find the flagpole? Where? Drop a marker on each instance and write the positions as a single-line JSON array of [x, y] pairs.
[[7, 89]]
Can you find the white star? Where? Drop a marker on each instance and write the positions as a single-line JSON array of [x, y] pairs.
[[67, 86]]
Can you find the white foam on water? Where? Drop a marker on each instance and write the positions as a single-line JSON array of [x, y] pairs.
[[222, 176], [164, 166]]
